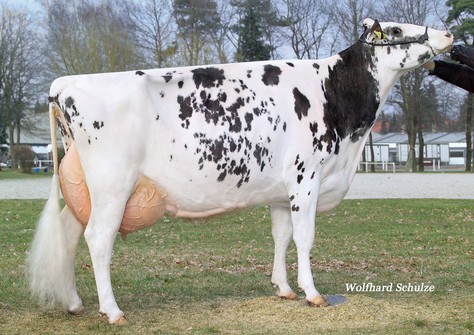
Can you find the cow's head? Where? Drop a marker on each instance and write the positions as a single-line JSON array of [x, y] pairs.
[[406, 46]]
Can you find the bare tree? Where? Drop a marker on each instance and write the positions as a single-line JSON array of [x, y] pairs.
[[85, 37], [350, 15], [411, 86], [308, 23], [222, 36], [155, 28], [18, 65]]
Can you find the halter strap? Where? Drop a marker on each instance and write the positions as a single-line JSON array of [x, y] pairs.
[[422, 39]]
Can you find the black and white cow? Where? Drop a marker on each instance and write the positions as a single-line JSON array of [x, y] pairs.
[[213, 139]]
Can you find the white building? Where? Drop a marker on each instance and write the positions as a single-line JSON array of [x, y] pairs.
[[442, 148], [37, 137]]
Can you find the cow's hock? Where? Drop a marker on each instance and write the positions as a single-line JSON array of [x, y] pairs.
[[143, 209]]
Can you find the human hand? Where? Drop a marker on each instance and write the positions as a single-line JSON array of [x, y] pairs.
[[458, 53], [430, 65]]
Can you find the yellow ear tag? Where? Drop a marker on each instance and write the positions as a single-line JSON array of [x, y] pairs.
[[380, 35]]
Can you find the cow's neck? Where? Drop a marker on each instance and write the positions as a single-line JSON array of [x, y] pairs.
[[354, 92]]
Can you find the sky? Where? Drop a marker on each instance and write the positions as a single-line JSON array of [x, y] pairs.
[[31, 4]]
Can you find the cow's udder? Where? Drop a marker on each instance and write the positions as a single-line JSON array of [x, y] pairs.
[[144, 208]]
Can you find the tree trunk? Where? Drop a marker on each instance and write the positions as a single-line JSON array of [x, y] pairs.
[[18, 129], [469, 133], [411, 162], [372, 158], [421, 149], [11, 138], [411, 132]]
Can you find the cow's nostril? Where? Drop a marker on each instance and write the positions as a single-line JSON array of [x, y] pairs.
[[448, 35]]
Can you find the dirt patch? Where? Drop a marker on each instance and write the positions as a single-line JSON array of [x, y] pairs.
[[361, 313]]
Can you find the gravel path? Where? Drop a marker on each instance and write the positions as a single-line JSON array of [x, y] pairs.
[[36, 188], [412, 185], [365, 185]]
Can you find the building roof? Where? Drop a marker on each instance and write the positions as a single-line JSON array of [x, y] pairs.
[[390, 138], [37, 132], [457, 137], [429, 138]]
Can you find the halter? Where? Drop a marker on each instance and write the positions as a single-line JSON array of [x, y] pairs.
[[421, 40]]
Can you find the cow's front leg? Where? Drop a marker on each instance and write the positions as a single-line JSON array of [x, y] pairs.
[[282, 232], [303, 213], [100, 235]]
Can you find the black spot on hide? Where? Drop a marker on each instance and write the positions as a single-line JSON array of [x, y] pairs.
[[248, 121], [423, 58], [302, 104], [67, 117], [69, 102], [295, 208], [185, 107], [235, 124], [271, 75], [208, 77], [98, 125], [259, 153]]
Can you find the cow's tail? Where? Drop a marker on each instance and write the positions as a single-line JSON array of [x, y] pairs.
[[50, 263]]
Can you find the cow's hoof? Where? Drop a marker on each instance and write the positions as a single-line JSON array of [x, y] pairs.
[[287, 296], [317, 301], [81, 310], [121, 321]]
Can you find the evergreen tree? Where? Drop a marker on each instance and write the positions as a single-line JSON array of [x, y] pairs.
[[432, 120], [197, 20], [255, 18], [462, 14]]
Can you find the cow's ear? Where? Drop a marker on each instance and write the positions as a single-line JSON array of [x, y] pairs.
[[377, 31], [373, 31]]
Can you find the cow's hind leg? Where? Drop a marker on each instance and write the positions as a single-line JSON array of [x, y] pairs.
[[282, 232], [104, 222]]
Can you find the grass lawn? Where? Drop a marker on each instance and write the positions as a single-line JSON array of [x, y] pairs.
[[213, 277], [7, 173]]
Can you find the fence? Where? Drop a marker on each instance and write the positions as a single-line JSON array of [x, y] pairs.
[[383, 164]]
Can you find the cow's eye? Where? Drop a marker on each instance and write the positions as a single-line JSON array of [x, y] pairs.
[[397, 32]]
